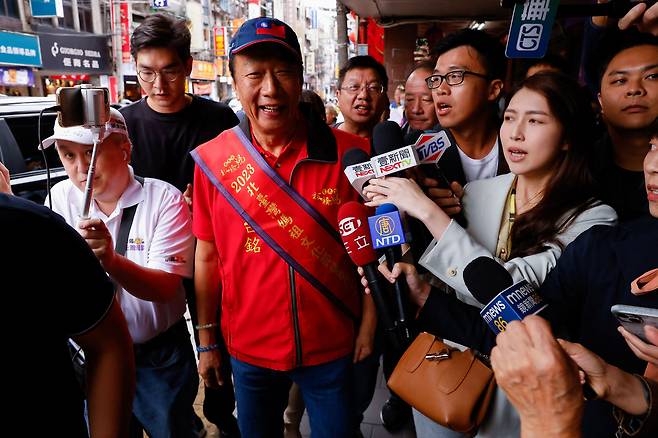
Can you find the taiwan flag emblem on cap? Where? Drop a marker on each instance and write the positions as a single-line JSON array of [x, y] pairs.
[[271, 28]]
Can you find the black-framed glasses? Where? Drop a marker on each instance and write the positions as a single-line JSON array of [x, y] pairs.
[[455, 77], [372, 89], [151, 75]]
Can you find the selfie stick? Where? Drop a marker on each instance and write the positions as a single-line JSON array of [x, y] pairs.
[[96, 114]]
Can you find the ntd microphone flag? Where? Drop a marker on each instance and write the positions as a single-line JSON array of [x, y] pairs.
[[394, 161], [513, 304], [386, 230], [431, 146]]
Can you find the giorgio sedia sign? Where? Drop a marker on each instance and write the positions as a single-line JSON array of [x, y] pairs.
[[77, 53]]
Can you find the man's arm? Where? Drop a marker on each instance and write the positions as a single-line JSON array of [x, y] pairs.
[[110, 374], [144, 283], [208, 288]]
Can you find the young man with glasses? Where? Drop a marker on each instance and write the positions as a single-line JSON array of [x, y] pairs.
[[466, 84], [362, 85], [164, 127]]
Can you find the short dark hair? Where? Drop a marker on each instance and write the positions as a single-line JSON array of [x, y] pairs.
[[612, 43], [490, 50], [553, 60], [364, 61], [162, 30], [269, 51]]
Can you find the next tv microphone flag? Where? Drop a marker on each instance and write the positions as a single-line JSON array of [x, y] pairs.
[[391, 157], [357, 168], [490, 283], [352, 219]]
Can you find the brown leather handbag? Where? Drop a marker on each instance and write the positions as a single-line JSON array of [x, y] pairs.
[[452, 387]]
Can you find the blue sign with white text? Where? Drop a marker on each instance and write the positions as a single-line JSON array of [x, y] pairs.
[[386, 230], [159, 4], [47, 8], [513, 304], [19, 49], [530, 30]]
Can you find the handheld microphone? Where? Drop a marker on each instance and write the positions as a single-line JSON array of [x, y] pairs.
[[388, 232], [357, 168], [483, 277], [390, 158], [490, 283], [352, 219]]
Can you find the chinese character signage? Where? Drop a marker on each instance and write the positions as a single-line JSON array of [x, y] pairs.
[[530, 31], [220, 41], [75, 53], [47, 8], [125, 18], [19, 49], [203, 70]]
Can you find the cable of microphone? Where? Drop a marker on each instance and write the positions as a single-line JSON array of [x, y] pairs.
[[357, 168], [352, 219], [386, 227]]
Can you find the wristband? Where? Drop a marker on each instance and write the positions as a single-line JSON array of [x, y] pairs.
[[203, 349], [205, 326]]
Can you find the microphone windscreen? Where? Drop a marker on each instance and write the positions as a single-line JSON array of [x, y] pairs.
[[386, 137], [386, 208], [485, 278], [353, 227], [412, 136], [354, 156]]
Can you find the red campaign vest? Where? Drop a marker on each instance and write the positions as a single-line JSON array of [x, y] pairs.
[[281, 217]]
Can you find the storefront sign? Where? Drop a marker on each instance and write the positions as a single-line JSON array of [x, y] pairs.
[[75, 53], [220, 41], [203, 70], [47, 8], [160, 4], [19, 49], [16, 77], [202, 89]]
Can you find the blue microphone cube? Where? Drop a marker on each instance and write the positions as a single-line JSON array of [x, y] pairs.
[[513, 304], [386, 230]]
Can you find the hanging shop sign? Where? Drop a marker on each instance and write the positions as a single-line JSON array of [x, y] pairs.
[[75, 53], [19, 49]]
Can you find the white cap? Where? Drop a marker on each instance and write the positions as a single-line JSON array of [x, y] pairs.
[[83, 135]]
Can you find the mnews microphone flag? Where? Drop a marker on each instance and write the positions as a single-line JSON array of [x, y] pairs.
[[490, 283]]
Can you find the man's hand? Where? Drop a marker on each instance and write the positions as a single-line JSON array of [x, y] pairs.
[[5, 183], [99, 239], [448, 199], [210, 368], [646, 20], [188, 196], [539, 379]]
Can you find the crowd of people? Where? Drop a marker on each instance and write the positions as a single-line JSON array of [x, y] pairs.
[[233, 216]]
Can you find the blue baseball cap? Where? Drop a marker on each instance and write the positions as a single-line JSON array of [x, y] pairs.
[[264, 30]]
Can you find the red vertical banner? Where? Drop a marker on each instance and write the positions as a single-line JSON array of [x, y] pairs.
[[114, 90], [124, 10]]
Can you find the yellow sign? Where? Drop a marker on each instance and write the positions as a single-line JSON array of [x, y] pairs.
[[203, 70]]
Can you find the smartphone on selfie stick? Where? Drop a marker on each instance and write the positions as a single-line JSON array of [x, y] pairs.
[[88, 106]]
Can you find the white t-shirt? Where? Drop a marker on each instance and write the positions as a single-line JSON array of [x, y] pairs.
[[480, 169], [160, 238]]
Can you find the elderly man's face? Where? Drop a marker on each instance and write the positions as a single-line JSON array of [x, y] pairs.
[[418, 103], [269, 91], [112, 158]]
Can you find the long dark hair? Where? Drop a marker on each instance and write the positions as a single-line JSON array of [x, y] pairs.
[[571, 190]]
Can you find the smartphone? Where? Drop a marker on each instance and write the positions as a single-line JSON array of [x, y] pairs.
[[421, 43], [634, 318], [69, 100], [83, 105]]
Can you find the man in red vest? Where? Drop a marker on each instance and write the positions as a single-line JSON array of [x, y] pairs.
[[266, 195]]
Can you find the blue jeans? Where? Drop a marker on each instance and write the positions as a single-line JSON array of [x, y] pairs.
[[167, 384], [262, 395]]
